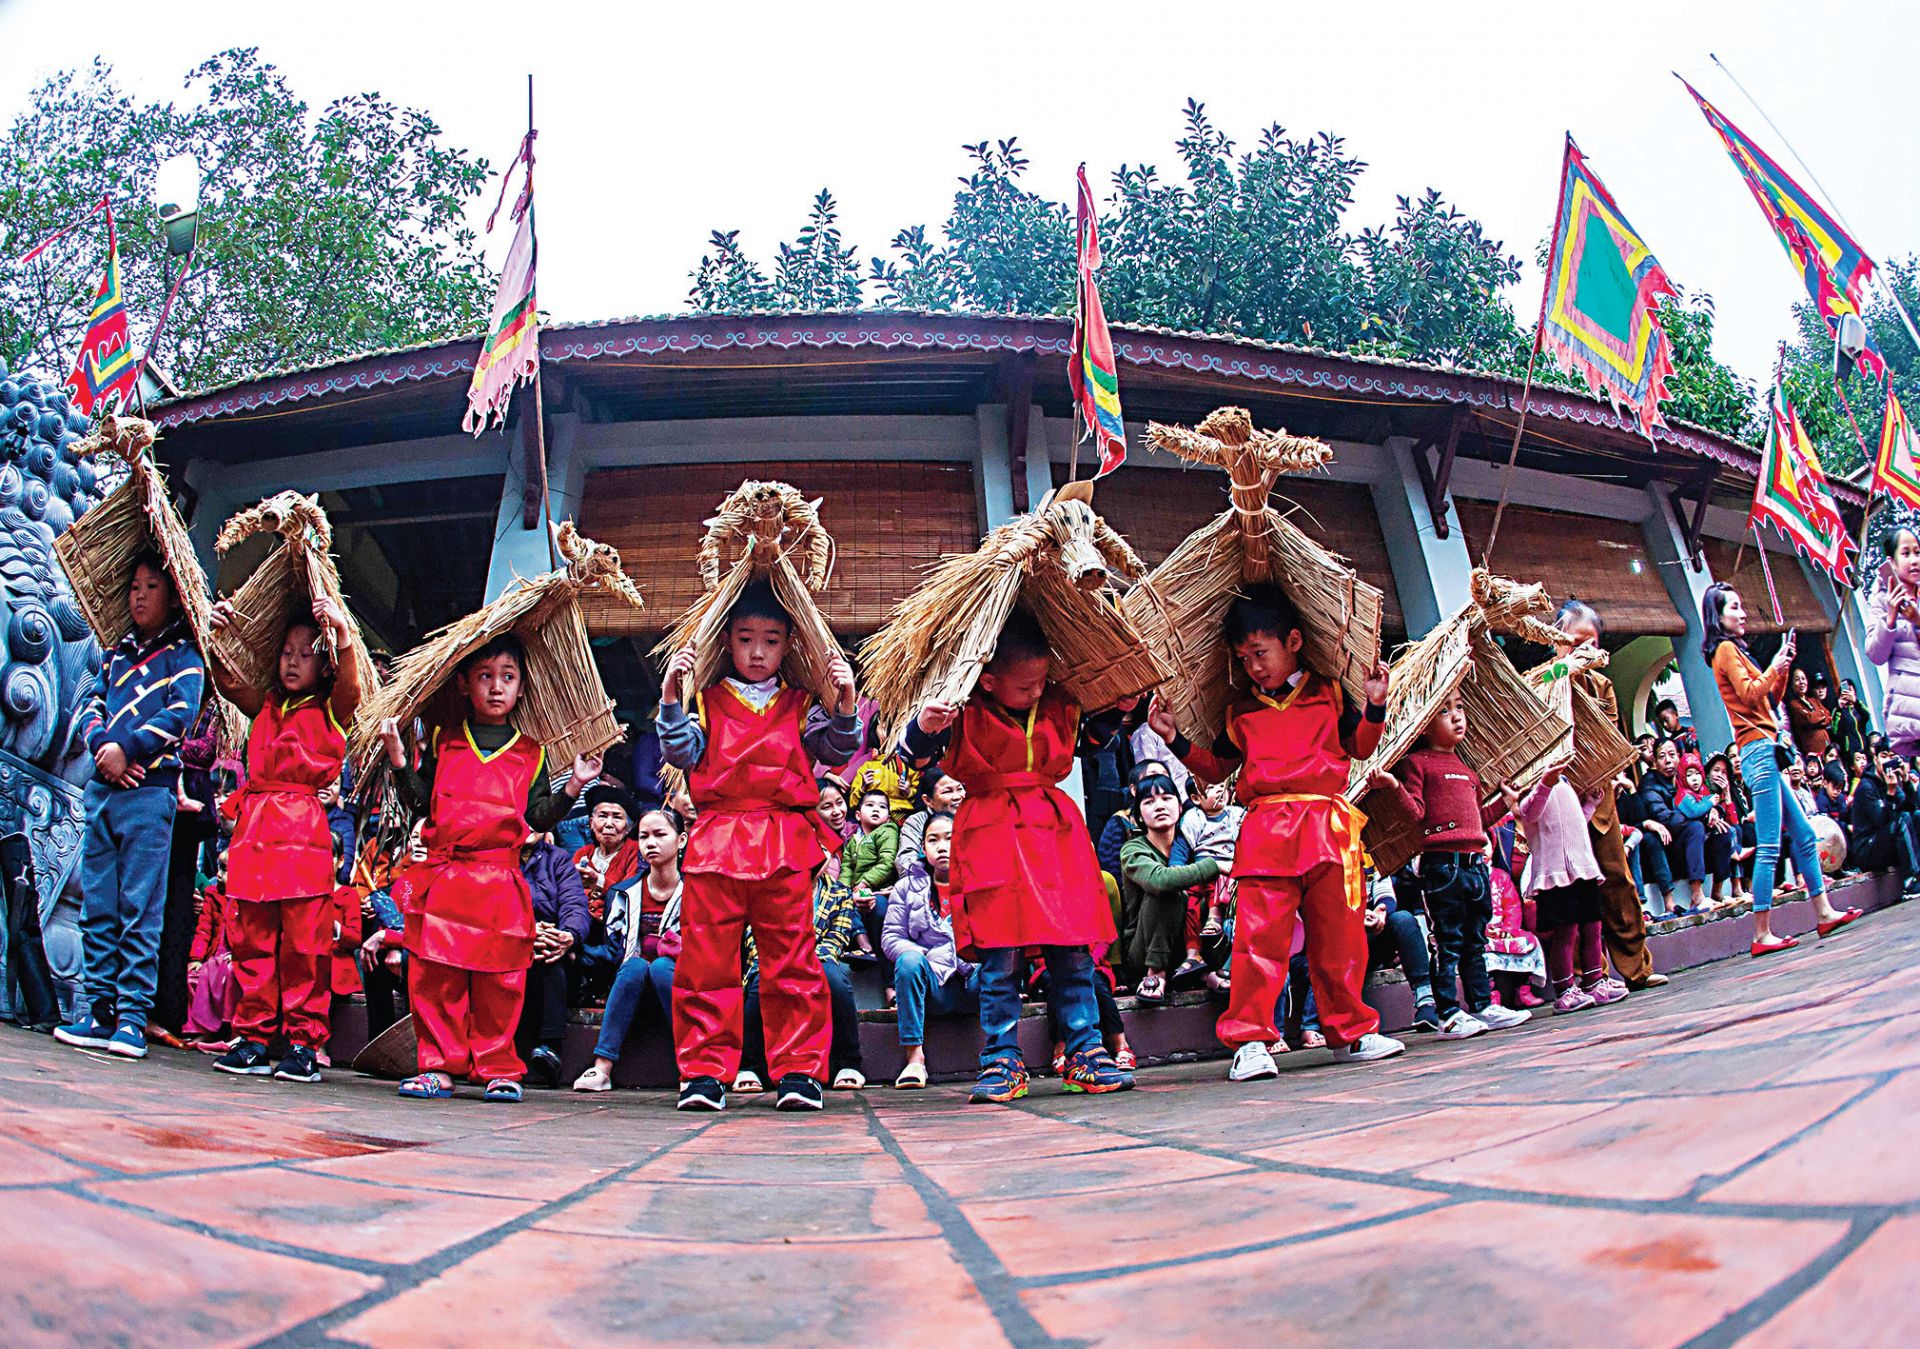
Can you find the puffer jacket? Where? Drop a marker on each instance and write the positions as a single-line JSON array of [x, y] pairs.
[[1893, 645]]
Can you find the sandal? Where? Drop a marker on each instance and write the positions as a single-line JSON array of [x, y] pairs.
[[1153, 988], [913, 1076], [502, 1089], [595, 1078], [1211, 928], [426, 1087], [1189, 967]]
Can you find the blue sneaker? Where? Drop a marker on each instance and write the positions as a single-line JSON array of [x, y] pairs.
[[129, 1042], [86, 1033]]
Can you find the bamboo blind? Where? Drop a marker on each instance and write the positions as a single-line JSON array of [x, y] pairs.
[[1797, 602], [1602, 561], [889, 521], [1155, 509]]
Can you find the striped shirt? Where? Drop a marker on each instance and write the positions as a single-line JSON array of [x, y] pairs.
[[146, 700]]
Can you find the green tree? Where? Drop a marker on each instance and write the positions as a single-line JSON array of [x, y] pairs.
[[321, 234], [1251, 242]]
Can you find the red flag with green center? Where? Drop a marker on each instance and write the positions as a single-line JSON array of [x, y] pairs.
[[1599, 317], [1895, 470], [1833, 268], [1091, 369], [1792, 493], [512, 352]]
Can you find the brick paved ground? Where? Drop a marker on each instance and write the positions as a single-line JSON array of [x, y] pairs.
[[1730, 1160]]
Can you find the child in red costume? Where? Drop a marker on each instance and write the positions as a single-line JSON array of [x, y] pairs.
[[280, 866], [469, 922], [1024, 872], [748, 751], [1293, 738]]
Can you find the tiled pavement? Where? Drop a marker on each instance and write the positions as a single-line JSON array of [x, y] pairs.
[[1729, 1160]]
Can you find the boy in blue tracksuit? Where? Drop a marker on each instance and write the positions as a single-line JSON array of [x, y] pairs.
[[133, 724]]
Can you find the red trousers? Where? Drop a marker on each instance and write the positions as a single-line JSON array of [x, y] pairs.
[[282, 969], [465, 1019], [709, 1001], [1263, 942]]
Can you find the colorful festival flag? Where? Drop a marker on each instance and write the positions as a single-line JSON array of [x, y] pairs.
[[1833, 268], [511, 354], [1091, 370], [106, 366], [1792, 494], [1896, 470], [1599, 317]]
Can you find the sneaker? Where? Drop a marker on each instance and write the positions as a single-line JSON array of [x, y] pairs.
[[1001, 1080], [128, 1042], [1498, 1017], [1251, 1062], [1370, 1046], [747, 1082], [1093, 1071], [248, 1058], [1575, 999], [298, 1066], [1606, 990], [849, 1079], [86, 1033], [702, 1093], [1462, 1025], [543, 1067], [799, 1092], [1425, 1019]]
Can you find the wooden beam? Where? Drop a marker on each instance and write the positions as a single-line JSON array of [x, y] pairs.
[[531, 449], [1435, 479], [1704, 486], [1016, 388]]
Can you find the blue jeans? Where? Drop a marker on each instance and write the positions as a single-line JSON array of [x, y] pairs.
[[123, 879], [637, 980], [1775, 808], [1070, 992], [918, 995]]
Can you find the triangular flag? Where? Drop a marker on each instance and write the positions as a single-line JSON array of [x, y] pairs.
[[1895, 471], [511, 354]]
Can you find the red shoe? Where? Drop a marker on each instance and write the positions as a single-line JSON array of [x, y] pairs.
[[1828, 928], [1767, 948]]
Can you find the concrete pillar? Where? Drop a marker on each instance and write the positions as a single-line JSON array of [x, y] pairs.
[[1848, 639], [993, 466], [1433, 575], [1667, 547], [1039, 456], [518, 551]]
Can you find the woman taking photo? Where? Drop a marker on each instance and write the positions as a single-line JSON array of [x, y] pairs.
[[1749, 693]]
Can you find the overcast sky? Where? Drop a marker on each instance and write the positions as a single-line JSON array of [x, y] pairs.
[[659, 123]]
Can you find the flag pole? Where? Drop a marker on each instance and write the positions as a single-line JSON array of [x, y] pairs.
[[539, 403], [1813, 177], [1533, 356], [1773, 595]]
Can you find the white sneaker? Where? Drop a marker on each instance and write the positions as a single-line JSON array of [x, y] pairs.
[[1372, 1046], [1462, 1025], [849, 1079], [1251, 1062], [1499, 1017]]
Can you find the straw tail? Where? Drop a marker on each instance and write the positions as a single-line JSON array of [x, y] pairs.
[[763, 531], [1057, 563]]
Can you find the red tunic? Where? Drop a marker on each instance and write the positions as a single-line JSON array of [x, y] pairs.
[[472, 908], [1290, 747], [282, 847], [1024, 873], [753, 790]]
